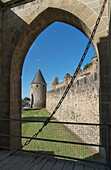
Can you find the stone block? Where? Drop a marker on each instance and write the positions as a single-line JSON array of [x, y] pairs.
[[104, 70], [105, 98], [104, 78], [101, 27], [79, 9], [102, 34], [93, 4], [87, 13], [96, 9], [105, 20], [91, 20], [105, 113], [105, 87], [75, 2], [103, 46]]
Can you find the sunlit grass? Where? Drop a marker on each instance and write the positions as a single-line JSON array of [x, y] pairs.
[[52, 131]]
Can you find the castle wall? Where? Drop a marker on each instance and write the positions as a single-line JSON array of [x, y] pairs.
[[80, 105], [60, 84]]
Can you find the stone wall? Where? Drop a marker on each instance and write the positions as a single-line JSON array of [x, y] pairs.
[[1, 55], [1, 38], [80, 105]]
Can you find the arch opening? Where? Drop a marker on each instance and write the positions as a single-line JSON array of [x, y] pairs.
[[83, 77], [33, 30]]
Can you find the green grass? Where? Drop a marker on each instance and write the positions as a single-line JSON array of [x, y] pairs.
[[52, 131]]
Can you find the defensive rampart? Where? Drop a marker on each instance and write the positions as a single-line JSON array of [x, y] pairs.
[[80, 105]]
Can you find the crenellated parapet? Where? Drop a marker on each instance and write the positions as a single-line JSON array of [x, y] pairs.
[[82, 75]]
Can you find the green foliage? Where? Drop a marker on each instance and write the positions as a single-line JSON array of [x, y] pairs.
[[87, 65], [26, 99]]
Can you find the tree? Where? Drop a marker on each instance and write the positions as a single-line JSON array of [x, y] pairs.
[[26, 98], [87, 65]]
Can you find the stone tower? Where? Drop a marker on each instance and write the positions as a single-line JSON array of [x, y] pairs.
[[55, 82], [95, 63], [67, 78], [38, 91]]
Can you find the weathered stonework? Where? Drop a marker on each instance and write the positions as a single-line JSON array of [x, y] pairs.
[[81, 104], [38, 91], [39, 94], [21, 26]]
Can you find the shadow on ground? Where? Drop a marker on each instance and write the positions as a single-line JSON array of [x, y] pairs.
[[96, 157], [29, 109], [41, 153], [35, 119]]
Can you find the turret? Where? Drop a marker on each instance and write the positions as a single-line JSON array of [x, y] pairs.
[[95, 64], [56, 81], [38, 91], [67, 78]]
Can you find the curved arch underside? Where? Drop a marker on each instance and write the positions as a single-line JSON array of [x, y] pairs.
[[41, 22]]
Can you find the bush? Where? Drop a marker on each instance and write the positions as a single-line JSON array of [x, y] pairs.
[[26, 98], [87, 65]]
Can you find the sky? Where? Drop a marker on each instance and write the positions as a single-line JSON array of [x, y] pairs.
[[56, 51]]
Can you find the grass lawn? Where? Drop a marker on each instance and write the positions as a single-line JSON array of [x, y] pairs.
[[52, 131]]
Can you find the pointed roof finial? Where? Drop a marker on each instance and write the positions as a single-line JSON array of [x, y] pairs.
[[38, 79]]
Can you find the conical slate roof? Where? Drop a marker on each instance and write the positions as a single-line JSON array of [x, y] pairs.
[[38, 79]]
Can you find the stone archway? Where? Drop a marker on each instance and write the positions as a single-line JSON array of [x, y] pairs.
[[75, 13], [17, 69]]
